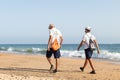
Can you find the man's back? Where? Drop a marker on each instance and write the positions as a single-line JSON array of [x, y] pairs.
[[86, 38], [55, 33]]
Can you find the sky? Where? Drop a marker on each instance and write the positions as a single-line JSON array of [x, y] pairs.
[[27, 21]]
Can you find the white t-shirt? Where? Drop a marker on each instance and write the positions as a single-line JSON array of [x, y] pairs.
[[55, 33], [86, 39]]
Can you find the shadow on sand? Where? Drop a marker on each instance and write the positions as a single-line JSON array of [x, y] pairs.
[[34, 70], [25, 69]]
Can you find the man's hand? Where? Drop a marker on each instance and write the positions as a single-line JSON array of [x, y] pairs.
[[98, 51], [77, 49], [48, 49]]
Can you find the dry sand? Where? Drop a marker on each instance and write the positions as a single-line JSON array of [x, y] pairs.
[[34, 67]]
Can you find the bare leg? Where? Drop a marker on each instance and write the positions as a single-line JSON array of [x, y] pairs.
[[91, 64], [86, 62], [57, 61], [49, 60], [56, 65]]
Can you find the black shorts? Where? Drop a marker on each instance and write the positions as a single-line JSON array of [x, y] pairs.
[[88, 53], [56, 53]]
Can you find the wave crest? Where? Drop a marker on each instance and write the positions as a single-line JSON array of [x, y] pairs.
[[105, 54]]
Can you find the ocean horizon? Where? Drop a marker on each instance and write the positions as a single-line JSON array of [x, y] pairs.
[[108, 51]]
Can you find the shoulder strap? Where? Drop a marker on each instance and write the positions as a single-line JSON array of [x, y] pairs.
[[90, 40]]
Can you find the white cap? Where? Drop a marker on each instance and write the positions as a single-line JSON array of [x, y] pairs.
[[88, 28]]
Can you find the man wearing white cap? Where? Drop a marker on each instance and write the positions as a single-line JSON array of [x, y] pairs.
[[88, 50]]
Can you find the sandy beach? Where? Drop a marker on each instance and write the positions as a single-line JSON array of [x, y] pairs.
[[35, 67]]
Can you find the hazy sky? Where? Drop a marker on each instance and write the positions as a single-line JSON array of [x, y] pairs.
[[27, 21]]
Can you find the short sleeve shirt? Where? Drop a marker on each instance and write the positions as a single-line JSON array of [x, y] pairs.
[[86, 39], [55, 33]]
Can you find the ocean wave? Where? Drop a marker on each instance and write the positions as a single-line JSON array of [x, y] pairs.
[[23, 50], [74, 53], [105, 54], [108, 55]]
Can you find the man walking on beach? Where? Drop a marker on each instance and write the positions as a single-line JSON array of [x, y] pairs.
[[88, 51], [54, 34]]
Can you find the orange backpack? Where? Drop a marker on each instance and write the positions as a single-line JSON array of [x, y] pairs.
[[55, 45]]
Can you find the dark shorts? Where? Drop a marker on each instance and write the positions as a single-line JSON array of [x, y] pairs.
[[56, 53], [88, 53]]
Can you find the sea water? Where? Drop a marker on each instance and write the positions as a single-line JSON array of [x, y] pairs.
[[108, 51]]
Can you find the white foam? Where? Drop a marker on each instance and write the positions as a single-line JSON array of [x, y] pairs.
[[103, 55], [109, 55], [10, 49], [75, 53]]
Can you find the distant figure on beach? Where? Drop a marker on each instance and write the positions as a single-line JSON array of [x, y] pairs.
[[86, 40], [54, 34]]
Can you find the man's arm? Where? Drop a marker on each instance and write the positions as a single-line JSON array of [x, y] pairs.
[[80, 45], [48, 47], [96, 44], [61, 40]]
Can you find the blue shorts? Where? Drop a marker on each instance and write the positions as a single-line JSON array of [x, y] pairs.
[[88, 53], [56, 53]]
